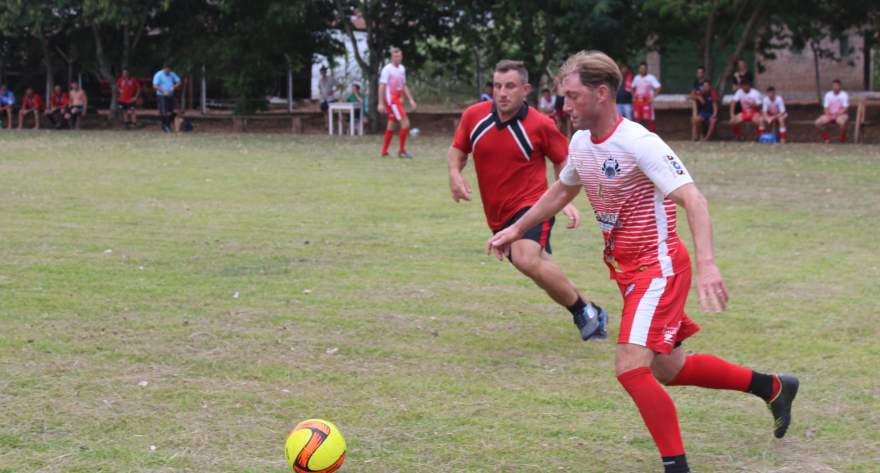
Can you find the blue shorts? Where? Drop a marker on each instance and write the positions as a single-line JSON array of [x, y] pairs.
[[706, 116]]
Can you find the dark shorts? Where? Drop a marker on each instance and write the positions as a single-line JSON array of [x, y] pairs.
[[540, 233], [127, 106], [706, 116], [325, 105], [77, 109], [166, 104]]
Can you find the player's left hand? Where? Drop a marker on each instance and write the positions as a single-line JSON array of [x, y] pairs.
[[710, 288], [499, 243], [574, 217], [413, 106]]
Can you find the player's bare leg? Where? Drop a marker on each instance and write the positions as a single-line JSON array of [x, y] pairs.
[[841, 125], [530, 259], [821, 122], [696, 127], [735, 126], [713, 121], [759, 123]]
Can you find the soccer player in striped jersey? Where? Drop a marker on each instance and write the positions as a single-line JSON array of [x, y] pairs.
[[634, 181], [392, 85], [510, 142]]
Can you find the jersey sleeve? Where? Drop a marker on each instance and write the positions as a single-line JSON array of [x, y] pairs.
[[657, 160], [827, 100], [384, 75], [654, 82], [844, 99], [569, 175], [462, 138], [765, 105], [556, 145], [781, 105]]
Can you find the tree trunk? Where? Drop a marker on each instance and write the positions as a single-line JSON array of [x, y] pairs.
[[707, 42], [105, 74], [370, 67], [815, 47], [745, 38], [479, 71], [47, 60], [547, 51]]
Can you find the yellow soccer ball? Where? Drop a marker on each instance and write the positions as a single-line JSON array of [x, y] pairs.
[[315, 446]]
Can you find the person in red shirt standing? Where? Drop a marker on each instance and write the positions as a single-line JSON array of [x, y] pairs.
[[57, 110], [510, 141], [129, 93], [32, 103], [634, 181]]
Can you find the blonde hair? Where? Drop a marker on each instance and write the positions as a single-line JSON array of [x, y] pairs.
[[594, 68]]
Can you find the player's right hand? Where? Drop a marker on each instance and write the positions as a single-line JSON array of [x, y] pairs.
[[380, 107], [499, 244], [461, 189]]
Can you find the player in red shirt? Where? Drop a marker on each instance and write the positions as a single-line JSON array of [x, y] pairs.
[[392, 86], [510, 141], [634, 181], [32, 103], [129, 93], [58, 102]]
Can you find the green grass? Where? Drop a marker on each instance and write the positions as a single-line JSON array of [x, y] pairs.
[[122, 255]]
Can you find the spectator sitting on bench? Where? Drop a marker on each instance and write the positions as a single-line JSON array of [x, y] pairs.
[[750, 101], [773, 111], [835, 104], [31, 104], [79, 104], [705, 111], [7, 103], [57, 110], [357, 99], [488, 90]]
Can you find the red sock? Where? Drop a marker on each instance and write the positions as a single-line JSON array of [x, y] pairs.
[[842, 136], [388, 135], [404, 132], [709, 371], [782, 135], [760, 130], [825, 136], [656, 408], [737, 131], [652, 126]]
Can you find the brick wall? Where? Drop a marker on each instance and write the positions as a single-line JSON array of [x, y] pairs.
[[793, 74]]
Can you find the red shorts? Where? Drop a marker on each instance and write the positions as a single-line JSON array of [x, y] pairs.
[[653, 312], [643, 110], [747, 115], [395, 109]]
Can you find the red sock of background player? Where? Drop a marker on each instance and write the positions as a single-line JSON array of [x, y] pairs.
[[825, 136], [737, 131], [782, 134], [404, 132], [388, 135], [658, 412], [842, 136], [709, 371]]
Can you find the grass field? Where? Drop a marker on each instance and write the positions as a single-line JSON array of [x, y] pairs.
[[179, 303]]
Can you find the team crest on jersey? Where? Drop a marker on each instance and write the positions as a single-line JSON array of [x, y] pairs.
[[674, 164], [611, 167]]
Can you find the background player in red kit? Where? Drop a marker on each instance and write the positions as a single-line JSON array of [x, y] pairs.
[[129, 93], [510, 141], [392, 85], [634, 181]]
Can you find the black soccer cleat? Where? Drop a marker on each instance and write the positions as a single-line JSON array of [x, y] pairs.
[[592, 322], [404, 155], [780, 406]]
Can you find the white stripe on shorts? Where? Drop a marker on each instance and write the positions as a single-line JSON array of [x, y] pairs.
[[395, 111], [638, 333]]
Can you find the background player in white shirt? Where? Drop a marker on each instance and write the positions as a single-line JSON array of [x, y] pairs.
[[645, 87], [634, 181], [773, 111], [835, 104], [392, 84], [750, 101]]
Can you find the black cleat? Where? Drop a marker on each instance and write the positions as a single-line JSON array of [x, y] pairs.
[[592, 322], [780, 406], [404, 155]]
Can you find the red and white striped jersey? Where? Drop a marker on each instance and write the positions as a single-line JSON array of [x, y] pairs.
[[627, 176], [394, 78], [835, 103]]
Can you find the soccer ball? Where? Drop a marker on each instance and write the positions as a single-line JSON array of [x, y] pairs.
[[315, 446], [414, 132]]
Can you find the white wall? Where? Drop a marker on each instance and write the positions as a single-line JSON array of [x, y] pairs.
[[346, 69]]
